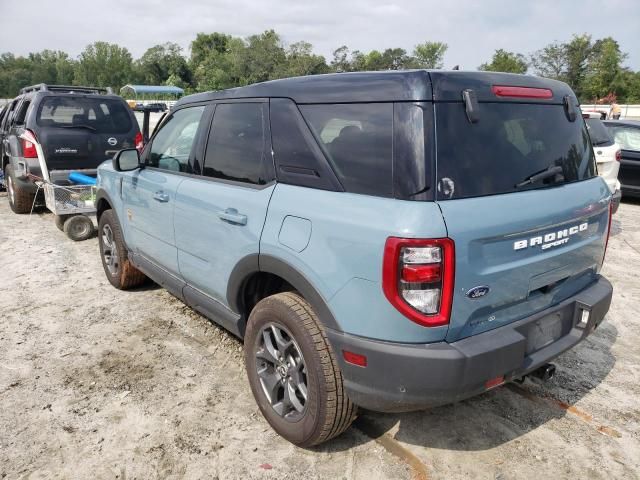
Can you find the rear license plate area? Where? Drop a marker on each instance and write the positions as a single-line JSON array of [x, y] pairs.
[[544, 332]]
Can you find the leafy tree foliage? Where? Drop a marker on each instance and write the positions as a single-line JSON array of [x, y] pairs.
[[162, 62], [104, 64], [504, 61], [593, 68]]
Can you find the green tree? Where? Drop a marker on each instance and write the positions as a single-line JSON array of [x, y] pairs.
[[262, 59], [604, 73], [160, 62], [551, 61], [578, 52], [104, 64], [504, 61], [429, 54], [205, 43], [300, 60], [341, 62]]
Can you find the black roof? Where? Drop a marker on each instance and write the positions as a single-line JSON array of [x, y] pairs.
[[386, 86], [628, 123]]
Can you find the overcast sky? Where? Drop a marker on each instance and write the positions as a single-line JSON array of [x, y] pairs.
[[472, 29]]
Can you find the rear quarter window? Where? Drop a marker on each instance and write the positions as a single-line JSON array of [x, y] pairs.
[[105, 115], [357, 140]]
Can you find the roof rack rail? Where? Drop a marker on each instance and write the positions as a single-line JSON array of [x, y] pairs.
[[43, 87]]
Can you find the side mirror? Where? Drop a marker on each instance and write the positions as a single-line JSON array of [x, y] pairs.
[[126, 160]]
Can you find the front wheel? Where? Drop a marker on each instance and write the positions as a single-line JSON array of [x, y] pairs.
[[293, 373], [113, 252]]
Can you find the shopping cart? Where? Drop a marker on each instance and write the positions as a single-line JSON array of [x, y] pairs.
[[71, 205]]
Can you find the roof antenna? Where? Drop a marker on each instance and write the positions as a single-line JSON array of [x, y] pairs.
[[457, 67]]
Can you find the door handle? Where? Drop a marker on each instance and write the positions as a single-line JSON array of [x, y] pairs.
[[231, 215], [161, 196]]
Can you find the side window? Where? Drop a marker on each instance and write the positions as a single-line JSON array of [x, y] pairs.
[[172, 144], [298, 158], [358, 140], [22, 112], [627, 138], [236, 146], [10, 114]]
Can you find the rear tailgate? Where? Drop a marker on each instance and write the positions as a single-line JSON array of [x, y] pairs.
[[518, 189], [564, 229], [82, 131]]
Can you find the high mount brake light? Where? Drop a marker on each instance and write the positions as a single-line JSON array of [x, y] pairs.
[[29, 141], [418, 278], [521, 92]]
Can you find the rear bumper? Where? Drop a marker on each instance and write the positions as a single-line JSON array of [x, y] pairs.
[[404, 377]]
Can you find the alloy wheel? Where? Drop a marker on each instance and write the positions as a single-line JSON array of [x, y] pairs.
[[110, 254], [282, 371]]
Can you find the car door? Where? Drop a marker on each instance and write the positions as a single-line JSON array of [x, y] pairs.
[[628, 138], [219, 217], [149, 193]]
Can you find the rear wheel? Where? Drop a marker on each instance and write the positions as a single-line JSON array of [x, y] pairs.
[[113, 252], [293, 373], [78, 227], [20, 200]]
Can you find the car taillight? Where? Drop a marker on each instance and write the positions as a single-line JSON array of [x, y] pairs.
[[618, 155], [418, 278], [29, 141], [521, 92], [139, 141]]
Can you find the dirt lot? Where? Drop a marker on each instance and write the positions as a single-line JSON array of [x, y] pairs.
[[98, 383]]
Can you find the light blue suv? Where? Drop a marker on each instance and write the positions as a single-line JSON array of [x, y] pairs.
[[389, 240]]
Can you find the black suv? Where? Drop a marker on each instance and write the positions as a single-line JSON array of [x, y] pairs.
[[54, 128]]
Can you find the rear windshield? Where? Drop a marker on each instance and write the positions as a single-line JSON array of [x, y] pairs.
[[104, 115], [509, 144], [598, 132]]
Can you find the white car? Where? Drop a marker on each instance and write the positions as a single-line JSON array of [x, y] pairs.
[[608, 154]]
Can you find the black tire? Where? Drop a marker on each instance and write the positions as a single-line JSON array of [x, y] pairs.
[[20, 200], [327, 410], [59, 221], [120, 272], [78, 228]]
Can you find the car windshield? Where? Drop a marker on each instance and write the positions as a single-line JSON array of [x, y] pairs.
[[507, 148], [598, 132], [103, 115]]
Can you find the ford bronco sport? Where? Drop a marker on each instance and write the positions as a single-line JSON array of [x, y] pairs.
[[390, 240], [63, 128]]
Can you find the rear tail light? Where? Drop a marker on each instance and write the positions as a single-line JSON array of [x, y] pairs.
[[521, 92], [29, 141], [139, 141], [618, 155], [418, 278]]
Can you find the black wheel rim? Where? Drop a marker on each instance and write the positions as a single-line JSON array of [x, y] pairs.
[[282, 371], [110, 255]]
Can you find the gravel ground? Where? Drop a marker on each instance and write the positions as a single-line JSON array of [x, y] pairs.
[[98, 383]]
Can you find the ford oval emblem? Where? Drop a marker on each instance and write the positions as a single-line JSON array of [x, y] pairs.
[[112, 141], [477, 292]]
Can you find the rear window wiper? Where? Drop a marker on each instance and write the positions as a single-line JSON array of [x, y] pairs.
[[552, 171], [78, 126]]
